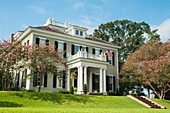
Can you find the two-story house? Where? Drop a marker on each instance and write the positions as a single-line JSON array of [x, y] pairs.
[[85, 56]]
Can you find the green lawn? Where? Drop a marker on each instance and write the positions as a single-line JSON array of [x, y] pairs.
[[54, 102]]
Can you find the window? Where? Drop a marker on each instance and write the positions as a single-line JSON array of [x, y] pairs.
[[77, 32], [110, 83], [61, 46], [81, 33], [84, 48], [110, 60], [97, 51], [42, 42], [76, 49], [60, 81], [23, 83]]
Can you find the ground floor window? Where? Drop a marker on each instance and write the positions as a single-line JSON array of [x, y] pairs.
[[110, 83]]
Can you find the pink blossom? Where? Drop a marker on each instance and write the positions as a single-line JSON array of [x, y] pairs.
[[39, 70], [37, 60], [0, 69], [34, 70]]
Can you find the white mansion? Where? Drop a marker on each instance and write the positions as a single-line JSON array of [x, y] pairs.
[[85, 56]]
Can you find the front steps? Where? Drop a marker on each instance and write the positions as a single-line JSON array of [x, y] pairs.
[[147, 102]]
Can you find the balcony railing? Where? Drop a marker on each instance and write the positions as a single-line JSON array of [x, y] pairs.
[[84, 54]]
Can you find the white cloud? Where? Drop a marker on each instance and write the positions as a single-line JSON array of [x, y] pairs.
[[38, 10], [78, 5], [163, 30], [86, 21]]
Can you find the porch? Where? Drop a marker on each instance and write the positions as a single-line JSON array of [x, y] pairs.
[[90, 72]]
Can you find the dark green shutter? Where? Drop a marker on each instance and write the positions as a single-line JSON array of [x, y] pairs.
[[45, 80], [37, 41], [72, 49], [56, 45], [27, 42], [107, 83], [47, 42], [64, 79], [100, 51], [54, 81], [87, 49], [93, 82], [65, 47], [93, 51], [114, 84], [113, 59]]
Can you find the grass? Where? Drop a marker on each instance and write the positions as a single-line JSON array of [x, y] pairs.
[[54, 102]]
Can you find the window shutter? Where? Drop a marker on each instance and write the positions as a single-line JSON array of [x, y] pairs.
[[37, 41], [80, 48], [27, 42], [93, 80], [65, 47], [87, 49], [22, 82], [114, 84], [100, 51], [106, 57], [72, 49], [54, 81], [47, 42], [18, 78], [93, 51], [107, 83], [63, 79], [113, 58], [56, 45], [45, 80]]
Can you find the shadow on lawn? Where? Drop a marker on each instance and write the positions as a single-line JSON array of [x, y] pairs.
[[9, 104], [53, 97]]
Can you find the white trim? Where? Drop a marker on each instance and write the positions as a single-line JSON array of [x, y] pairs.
[[42, 38], [59, 41]]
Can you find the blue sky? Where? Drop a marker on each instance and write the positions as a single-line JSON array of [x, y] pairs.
[[18, 14]]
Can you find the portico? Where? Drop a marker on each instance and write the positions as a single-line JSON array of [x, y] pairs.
[[85, 68]]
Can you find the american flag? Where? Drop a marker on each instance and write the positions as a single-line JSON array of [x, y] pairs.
[[109, 54]]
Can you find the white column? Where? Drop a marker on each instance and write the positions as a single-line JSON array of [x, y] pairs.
[[85, 75], [101, 80], [90, 82], [78, 79], [28, 81], [68, 80], [73, 82], [104, 79], [81, 78]]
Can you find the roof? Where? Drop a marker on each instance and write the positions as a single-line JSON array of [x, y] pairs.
[[59, 31]]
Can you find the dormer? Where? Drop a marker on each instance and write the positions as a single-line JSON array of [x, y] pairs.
[[77, 31]]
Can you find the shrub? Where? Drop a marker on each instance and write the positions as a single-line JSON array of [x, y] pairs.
[[75, 89], [95, 90], [16, 88], [111, 93], [71, 90], [85, 88], [64, 92], [31, 90]]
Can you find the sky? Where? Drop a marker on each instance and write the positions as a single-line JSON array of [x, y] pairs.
[[17, 15]]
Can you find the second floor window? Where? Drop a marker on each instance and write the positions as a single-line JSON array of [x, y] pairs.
[[42, 42], [81, 33], [76, 49], [77, 32], [61, 46]]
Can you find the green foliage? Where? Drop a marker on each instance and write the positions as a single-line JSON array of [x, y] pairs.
[[111, 93], [75, 89], [16, 88], [127, 34], [95, 90], [72, 90], [84, 87], [64, 92]]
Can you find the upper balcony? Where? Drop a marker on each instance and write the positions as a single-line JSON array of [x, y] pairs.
[[84, 54]]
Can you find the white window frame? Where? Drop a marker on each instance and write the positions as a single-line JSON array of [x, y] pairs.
[[59, 82]]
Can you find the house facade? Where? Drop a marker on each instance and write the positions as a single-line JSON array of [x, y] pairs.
[[85, 57]]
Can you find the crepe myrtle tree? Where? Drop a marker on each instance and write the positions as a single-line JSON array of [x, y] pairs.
[[43, 60], [149, 66], [13, 57]]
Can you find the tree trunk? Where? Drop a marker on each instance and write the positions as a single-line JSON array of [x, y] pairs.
[[148, 92], [40, 83], [2, 83]]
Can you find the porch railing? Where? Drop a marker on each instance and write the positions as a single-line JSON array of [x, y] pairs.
[[84, 54]]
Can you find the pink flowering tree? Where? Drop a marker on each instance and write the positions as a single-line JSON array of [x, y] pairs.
[[13, 57], [43, 60], [149, 66]]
